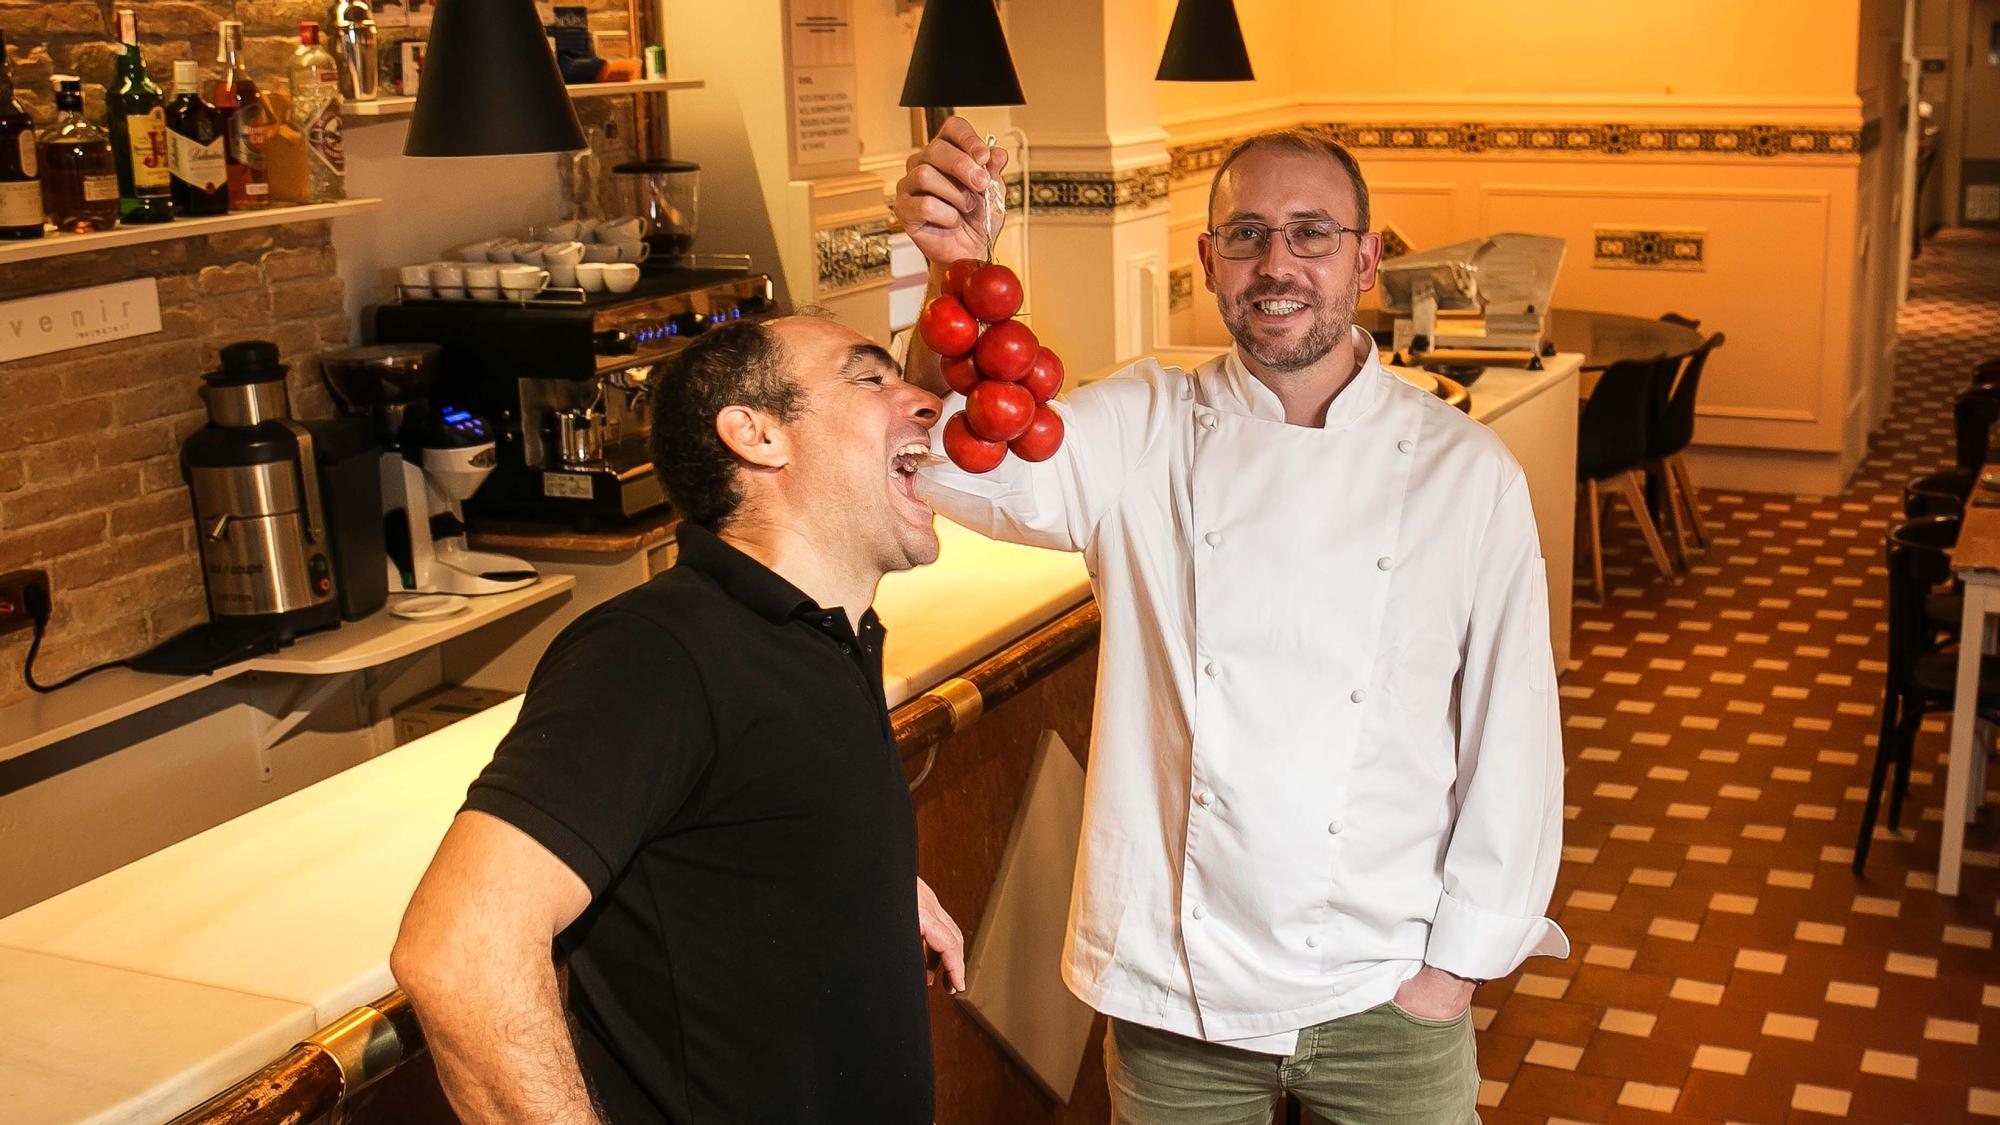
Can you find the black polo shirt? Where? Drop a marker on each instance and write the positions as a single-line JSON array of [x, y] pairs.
[[711, 754]]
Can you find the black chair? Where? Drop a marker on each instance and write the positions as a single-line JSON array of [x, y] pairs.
[[1683, 321], [1987, 374], [1972, 419], [1611, 454], [1923, 674], [1668, 434]]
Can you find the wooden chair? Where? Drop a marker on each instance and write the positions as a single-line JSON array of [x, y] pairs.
[[1669, 432], [1944, 493], [1611, 454]]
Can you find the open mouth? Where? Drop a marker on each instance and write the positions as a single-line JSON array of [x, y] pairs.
[[903, 466], [1277, 308]]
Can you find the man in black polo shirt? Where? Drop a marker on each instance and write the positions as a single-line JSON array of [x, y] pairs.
[[701, 805]]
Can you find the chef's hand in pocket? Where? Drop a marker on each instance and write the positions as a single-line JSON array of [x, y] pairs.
[[944, 946], [1434, 994]]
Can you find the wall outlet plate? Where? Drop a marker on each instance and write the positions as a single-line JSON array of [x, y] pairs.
[[14, 588]]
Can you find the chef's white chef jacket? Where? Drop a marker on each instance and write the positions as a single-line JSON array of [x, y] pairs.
[[1326, 747]]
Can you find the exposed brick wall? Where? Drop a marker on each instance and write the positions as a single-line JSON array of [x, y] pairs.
[[90, 485]]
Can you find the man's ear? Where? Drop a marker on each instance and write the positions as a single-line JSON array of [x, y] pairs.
[[1205, 252], [754, 436]]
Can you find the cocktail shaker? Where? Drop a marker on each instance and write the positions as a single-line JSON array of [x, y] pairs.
[[354, 46]]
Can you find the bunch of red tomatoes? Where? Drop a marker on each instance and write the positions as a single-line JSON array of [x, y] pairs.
[[1005, 374]]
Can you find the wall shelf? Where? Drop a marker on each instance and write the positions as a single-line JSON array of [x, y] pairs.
[[58, 245], [403, 107], [377, 639]]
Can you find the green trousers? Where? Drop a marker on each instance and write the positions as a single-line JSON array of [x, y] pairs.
[[1378, 1067]]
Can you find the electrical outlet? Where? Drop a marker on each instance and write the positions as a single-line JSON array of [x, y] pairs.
[[18, 591]]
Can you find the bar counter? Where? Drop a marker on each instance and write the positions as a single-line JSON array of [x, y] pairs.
[[141, 993]]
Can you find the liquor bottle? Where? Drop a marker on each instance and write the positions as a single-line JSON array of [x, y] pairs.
[[196, 143], [20, 184], [79, 174], [315, 84], [249, 123], [138, 121]]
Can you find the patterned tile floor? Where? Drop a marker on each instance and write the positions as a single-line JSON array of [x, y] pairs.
[[1728, 966]]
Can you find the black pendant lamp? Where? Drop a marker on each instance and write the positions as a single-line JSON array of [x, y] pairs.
[[491, 86], [1205, 45], [961, 58]]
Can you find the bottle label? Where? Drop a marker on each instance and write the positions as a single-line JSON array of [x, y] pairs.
[[30, 159], [323, 138], [150, 163], [20, 204], [100, 189], [256, 189], [250, 127], [204, 166]]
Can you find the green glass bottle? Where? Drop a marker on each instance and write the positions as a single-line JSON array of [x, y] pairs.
[[139, 134]]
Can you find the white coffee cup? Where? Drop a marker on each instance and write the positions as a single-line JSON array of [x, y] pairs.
[[590, 276], [561, 259], [521, 282], [633, 250], [565, 231], [628, 228], [448, 280], [600, 252], [529, 253], [586, 229], [482, 282], [415, 281], [621, 277]]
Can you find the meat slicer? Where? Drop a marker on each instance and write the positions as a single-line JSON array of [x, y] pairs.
[[1483, 301]]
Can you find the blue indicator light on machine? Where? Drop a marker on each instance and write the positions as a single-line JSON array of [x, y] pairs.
[[456, 416]]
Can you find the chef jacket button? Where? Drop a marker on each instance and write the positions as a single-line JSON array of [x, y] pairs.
[[1383, 563], [1199, 913], [1405, 445], [1208, 421], [1333, 827], [1312, 941], [1203, 798], [1357, 695], [1209, 668], [1211, 539]]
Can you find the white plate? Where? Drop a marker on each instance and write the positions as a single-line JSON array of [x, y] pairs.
[[430, 607]]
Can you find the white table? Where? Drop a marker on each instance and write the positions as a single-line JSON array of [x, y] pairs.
[[1976, 561]]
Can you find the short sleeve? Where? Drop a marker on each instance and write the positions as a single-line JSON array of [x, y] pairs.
[[612, 738]]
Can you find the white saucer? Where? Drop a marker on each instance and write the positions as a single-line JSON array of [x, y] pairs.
[[430, 607]]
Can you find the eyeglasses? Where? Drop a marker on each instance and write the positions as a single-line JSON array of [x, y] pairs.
[[1305, 238]]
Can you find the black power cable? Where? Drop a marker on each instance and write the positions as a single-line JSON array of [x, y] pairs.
[[36, 602]]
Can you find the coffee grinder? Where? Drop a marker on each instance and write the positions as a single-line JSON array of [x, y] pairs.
[[435, 456]]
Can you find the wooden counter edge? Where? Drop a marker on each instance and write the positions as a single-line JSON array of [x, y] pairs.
[[364, 1045], [642, 534]]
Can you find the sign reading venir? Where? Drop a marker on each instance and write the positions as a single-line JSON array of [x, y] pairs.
[[78, 318]]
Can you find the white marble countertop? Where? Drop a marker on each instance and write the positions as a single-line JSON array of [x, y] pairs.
[[173, 976]]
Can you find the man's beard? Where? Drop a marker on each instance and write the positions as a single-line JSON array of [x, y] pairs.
[[1330, 324]]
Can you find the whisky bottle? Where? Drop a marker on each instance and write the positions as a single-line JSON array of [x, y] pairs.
[[196, 141], [138, 121], [249, 124], [79, 174], [20, 182], [315, 82]]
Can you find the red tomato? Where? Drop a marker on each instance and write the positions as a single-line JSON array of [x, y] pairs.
[[960, 373], [1045, 378], [993, 293], [955, 275], [947, 328], [1043, 437], [1006, 351], [999, 411], [968, 450]]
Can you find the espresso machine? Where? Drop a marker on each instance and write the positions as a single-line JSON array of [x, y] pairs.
[[435, 455], [564, 382]]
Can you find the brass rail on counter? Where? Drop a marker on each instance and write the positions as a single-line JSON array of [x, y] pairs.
[[359, 1048]]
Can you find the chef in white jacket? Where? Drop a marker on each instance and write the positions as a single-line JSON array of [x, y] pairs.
[[1325, 780]]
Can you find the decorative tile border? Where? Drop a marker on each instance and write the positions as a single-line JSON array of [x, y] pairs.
[[1180, 289], [1622, 248], [1098, 193], [1394, 245], [1476, 138], [852, 255]]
